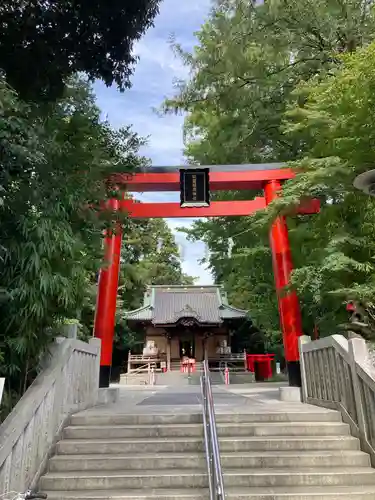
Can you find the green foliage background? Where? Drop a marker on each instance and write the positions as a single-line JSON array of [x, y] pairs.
[[43, 44], [290, 81], [56, 156], [55, 162], [286, 80]]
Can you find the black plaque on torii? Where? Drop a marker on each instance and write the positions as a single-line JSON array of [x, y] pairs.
[[195, 187]]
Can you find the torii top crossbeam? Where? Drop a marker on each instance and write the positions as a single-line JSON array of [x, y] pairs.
[[222, 177]]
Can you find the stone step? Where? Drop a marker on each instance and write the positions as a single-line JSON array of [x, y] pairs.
[[196, 430], [293, 443], [254, 460], [141, 419], [328, 476], [133, 431], [134, 380], [315, 415], [227, 444], [366, 492], [241, 378], [158, 494], [116, 446], [137, 461], [174, 378], [135, 376], [300, 493], [283, 429], [186, 478], [92, 480]]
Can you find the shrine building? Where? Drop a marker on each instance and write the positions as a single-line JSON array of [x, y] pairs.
[[185, 322]]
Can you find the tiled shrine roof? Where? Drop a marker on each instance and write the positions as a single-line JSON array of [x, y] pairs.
[[166, 305]]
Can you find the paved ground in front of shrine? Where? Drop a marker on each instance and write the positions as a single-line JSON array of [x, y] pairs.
[[187, 399]]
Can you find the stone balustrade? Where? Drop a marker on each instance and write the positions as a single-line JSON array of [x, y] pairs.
[[336, 374], [68, 383]]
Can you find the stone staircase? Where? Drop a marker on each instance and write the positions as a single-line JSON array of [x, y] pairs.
[[129, 457], [175, 365], [292, 456], [265, 456]]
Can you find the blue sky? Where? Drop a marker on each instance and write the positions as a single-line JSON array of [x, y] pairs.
[[152, 81]]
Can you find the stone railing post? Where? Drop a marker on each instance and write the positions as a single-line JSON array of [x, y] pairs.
[[358, 354], [96, 342], [303, 339]]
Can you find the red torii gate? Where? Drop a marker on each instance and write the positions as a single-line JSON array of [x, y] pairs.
[[266, 177]]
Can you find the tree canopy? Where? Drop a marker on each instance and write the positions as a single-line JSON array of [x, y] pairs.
[[56, 161], [44, 43], [52, 179], [288, 80]]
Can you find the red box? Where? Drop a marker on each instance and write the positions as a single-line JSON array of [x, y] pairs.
[[262, 362]]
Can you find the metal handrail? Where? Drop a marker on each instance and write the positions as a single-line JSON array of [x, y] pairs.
[[206, 442], [215, 474]]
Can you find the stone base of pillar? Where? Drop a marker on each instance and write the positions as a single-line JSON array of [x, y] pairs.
[[290, 394], [108, 395]]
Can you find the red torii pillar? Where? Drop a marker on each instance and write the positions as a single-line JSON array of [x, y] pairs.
[[105, 313], [289, 309]]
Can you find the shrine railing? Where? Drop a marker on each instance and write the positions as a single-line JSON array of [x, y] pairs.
[[68, 383], [215, 475], [141, 362], [338, 374], [147, 373]]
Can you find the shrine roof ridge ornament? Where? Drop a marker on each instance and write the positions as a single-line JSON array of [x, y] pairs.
[[186, 312]]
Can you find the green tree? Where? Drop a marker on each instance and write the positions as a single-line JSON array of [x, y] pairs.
[[338, 126], [247, 74], [53, 176], [249, 61], [44, 43]]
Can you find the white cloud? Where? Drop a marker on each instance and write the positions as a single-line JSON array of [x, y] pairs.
[[160, 54], [153, 80]]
